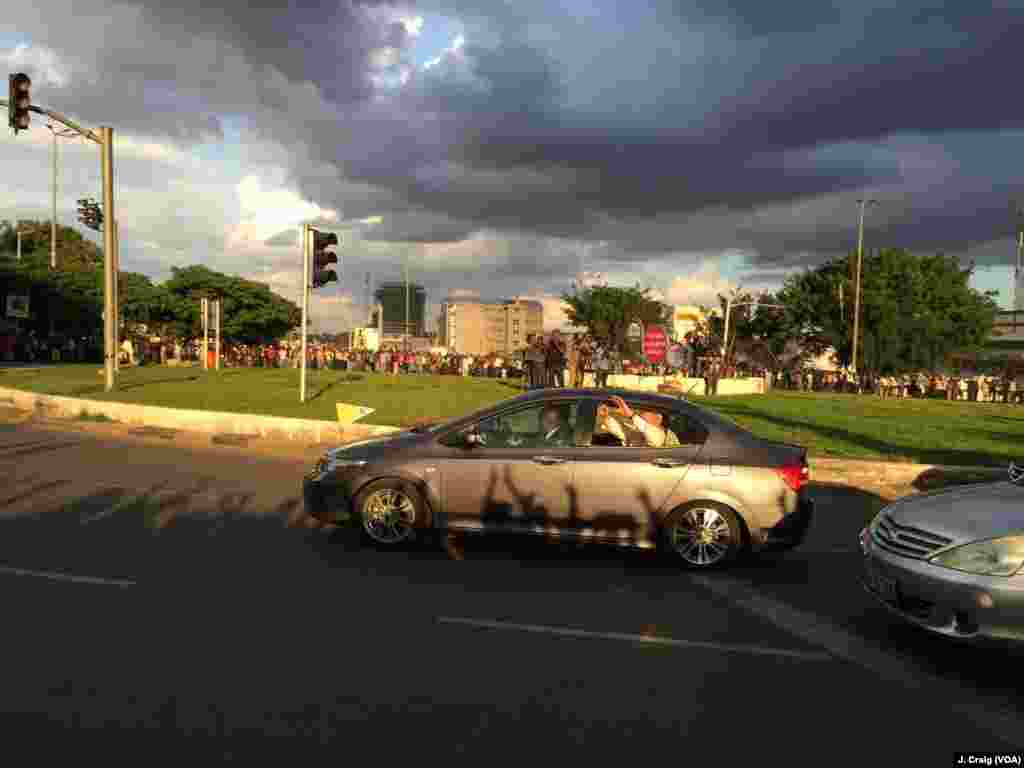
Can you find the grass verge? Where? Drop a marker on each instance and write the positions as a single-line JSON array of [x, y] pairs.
[[830, 425]]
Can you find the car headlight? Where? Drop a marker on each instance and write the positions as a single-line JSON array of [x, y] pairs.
[[325, 465], [994, 557]]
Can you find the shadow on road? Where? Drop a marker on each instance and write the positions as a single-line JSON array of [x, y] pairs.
[[231, 544]]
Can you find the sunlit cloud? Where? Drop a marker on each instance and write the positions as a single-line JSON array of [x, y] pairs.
[[268, 210]]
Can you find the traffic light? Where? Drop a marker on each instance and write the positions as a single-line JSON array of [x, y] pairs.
[[90, 214], [18, 102], [322, 259]]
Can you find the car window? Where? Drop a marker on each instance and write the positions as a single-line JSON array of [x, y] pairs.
[[524, 427], [677, 429]]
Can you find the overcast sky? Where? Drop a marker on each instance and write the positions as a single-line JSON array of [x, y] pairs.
[[685, 144]]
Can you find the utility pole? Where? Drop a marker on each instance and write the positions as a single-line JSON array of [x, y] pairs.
[[405, 340], [109, 255], [56, 134], [19, 240], [117, 303], [306, 276], [53, 206], [1018, 272], [216, 320], [205, 308], [863, 203], [725, 333]]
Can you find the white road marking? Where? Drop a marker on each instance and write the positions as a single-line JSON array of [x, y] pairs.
[[842, 644], [69, 577], [646, 639]]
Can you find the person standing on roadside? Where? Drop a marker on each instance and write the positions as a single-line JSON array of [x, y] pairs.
[[538, 362], [584, 362], [601, 366], [572, 359], [555, 360]]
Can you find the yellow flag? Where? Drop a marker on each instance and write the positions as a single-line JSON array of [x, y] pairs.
[[349, 414]]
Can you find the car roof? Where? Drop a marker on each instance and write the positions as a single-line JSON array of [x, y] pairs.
[[653, 399], [650, 398]]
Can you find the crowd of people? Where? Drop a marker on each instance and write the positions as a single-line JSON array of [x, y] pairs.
[[1004, 387], [548, 360]]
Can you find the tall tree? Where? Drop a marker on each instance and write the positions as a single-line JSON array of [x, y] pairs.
[[914, 310], [251, 313], [607, 312]]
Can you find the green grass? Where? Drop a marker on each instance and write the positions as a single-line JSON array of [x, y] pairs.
[[398, 401], [839, 426], [866, 427]]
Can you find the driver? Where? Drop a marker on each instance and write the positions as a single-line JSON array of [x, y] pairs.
[[554, 430]]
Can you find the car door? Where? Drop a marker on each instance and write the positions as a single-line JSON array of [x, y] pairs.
[[514, 481], [620, 490]]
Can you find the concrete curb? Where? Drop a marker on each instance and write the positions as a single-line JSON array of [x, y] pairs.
[[209, 422], [890, 472]]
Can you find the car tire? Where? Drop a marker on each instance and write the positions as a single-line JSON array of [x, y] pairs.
[[703, 535], [390, 512]]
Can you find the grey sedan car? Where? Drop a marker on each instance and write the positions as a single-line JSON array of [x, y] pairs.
[[553, 462], [952, 561]]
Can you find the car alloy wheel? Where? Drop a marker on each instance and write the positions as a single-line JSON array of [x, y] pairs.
[[703, 536], [389, 516]]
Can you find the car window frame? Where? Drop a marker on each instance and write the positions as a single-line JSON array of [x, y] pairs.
[[665, 411]]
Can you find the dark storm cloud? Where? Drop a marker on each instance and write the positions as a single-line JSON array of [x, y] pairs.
[[326, 43], [616, 120]]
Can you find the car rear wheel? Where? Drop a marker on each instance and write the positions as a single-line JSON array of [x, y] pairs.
[[704, 534], [390, 511]]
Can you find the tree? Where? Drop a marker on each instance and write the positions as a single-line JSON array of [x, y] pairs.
[[74, 252], [608, 312], [251, 313], [914, 310]]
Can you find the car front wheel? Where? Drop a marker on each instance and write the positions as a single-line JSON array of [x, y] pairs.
[[389, 511], [704, 535]]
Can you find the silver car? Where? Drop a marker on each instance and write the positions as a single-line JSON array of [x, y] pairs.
[[540, 464], [952, 561]]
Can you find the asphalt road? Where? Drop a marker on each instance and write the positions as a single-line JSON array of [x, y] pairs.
[[165, 598]]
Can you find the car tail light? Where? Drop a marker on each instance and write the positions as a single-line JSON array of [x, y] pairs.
[[795, 475]]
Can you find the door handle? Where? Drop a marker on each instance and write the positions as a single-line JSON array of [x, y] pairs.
[[548, 460], [667, 463]]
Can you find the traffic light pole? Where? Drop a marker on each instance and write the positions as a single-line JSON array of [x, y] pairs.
[[305, 309], [105, 138]]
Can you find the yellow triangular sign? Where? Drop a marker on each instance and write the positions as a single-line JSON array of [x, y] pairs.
[[349, 414]]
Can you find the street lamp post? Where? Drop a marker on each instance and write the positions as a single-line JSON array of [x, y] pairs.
[[405, 339], [863, 203]]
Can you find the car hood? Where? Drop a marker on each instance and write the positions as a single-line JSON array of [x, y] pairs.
[[966, 513], [374, 447]]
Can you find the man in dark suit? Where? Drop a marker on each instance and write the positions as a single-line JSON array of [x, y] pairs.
[[554, 430]]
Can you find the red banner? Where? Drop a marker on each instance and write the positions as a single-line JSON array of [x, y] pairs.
[[655, 343]]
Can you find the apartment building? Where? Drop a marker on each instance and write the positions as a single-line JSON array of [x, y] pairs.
[[484, 328]]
